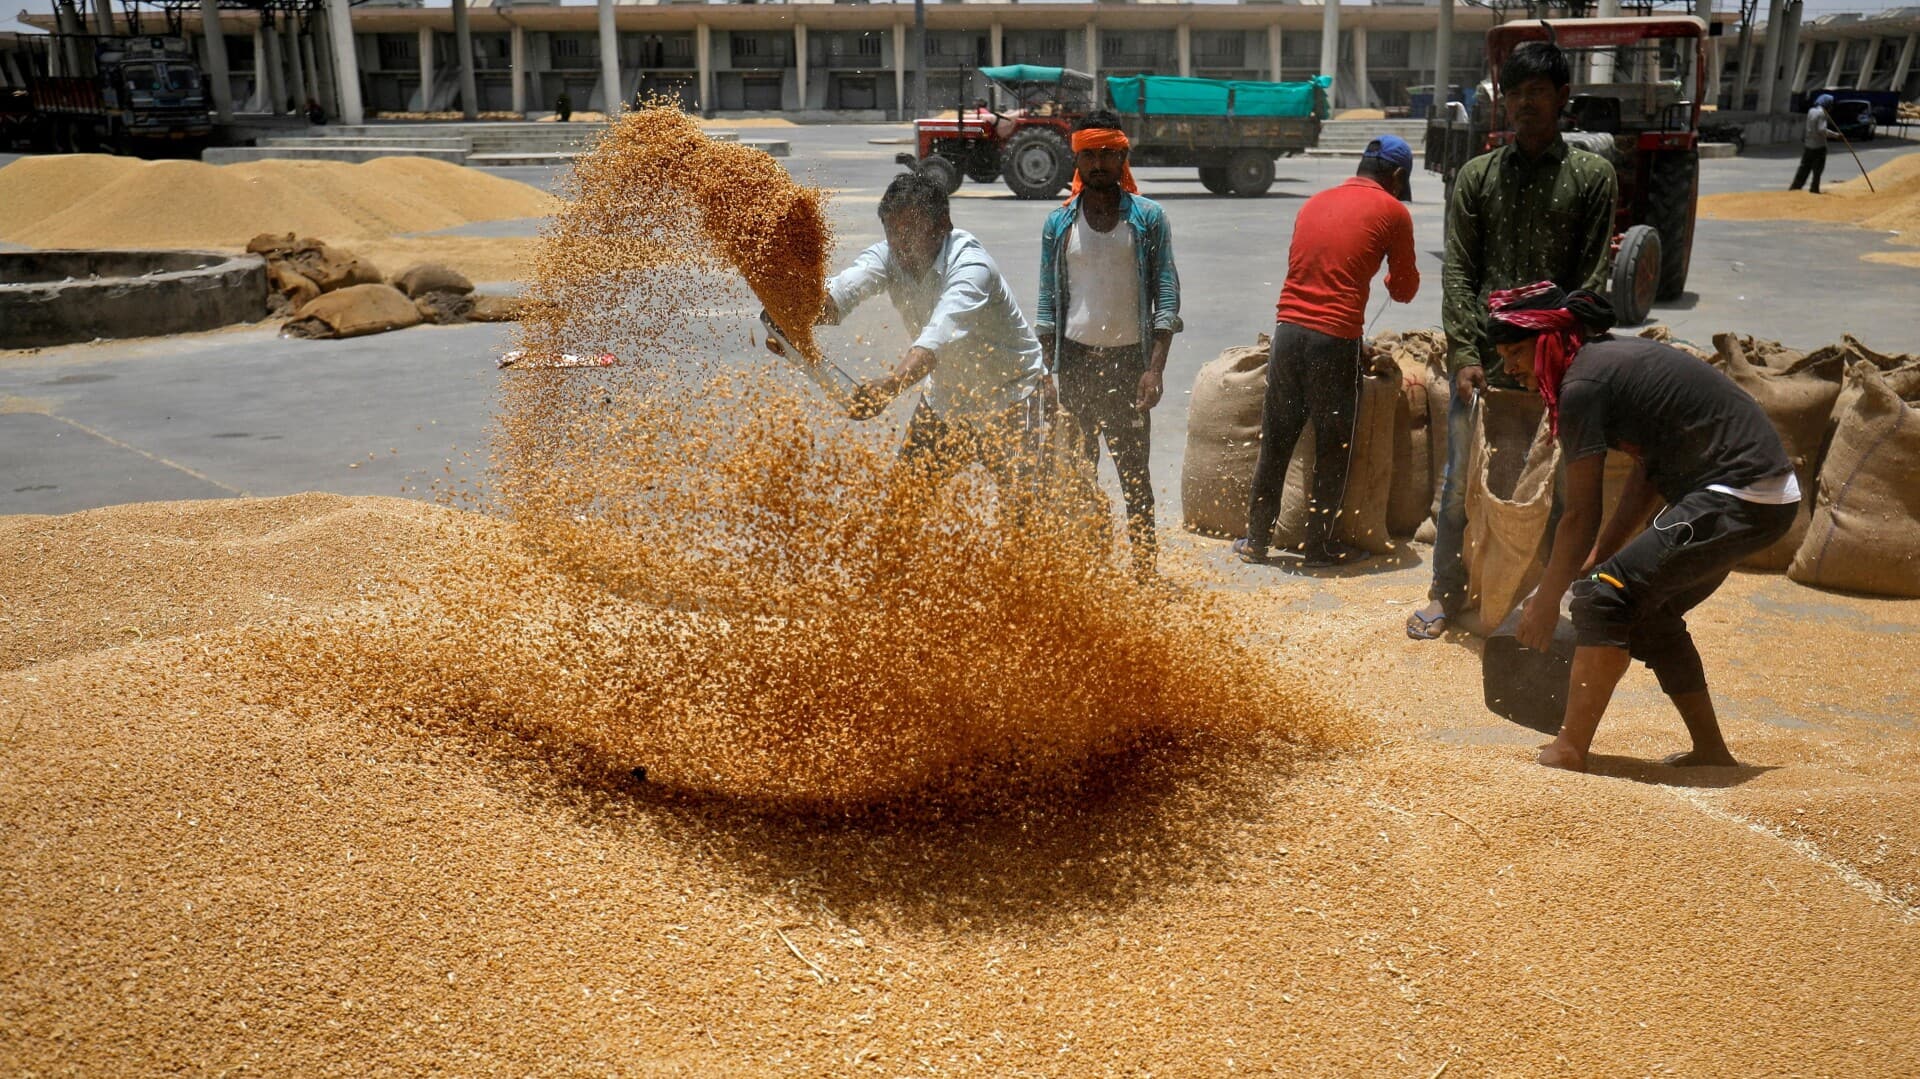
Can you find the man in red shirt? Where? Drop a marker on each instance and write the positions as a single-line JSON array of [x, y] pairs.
[[1313, 373]]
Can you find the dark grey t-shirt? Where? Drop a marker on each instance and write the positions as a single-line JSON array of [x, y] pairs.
[[1685, 420]]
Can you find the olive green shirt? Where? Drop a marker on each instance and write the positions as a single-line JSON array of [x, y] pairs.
[[1514, 221]]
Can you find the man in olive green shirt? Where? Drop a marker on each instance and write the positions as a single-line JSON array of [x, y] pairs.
[[1533, 210]]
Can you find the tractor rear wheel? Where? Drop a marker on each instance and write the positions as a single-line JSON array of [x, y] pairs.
[[1250, 173], [1036, 163], [941, 171], [1214, 179], [1636, 275], [1673, 183]]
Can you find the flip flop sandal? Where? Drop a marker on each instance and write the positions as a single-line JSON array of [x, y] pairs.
[[1422, 628], [1246, 552]]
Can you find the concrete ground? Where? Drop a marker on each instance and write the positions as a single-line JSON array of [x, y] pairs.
[[245, 412]]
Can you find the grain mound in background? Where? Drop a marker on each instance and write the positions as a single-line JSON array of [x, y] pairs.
[[1893, 205], [94, 200], [715, 578]]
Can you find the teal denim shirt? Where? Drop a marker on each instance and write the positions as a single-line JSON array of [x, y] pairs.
[[1153, 263]]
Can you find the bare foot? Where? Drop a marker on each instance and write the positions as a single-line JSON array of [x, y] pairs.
[[1557, 755], [1698, 758]]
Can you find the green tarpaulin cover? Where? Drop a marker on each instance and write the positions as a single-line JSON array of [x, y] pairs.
[[1023, 73], [1168, 95]]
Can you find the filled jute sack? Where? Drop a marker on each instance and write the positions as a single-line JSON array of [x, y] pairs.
[[1509, 498], [424, 278], [329, 268], [1799, 404], [1223, 445], [497, 309], [1832, 361], [1420, 356], [444, 308], [297, 287], [1865, 531], [352, 312]]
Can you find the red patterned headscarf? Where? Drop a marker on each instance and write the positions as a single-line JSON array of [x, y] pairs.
[[1561, 322], [1102, 138]]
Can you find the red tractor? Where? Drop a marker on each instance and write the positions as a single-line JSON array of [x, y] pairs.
[[1021, 130], [1636, 102]]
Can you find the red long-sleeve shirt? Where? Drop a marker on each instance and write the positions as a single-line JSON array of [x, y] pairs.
[[1340, 237]]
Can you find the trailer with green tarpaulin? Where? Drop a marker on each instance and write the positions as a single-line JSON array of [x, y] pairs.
[[1232, 131]]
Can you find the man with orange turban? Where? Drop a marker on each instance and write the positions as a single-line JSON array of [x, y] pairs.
[[1109, 307]]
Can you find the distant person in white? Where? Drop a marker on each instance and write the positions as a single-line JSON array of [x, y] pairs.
[[1813, 152], [972, 345]]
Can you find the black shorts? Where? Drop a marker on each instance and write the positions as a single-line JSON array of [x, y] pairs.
[[1638, 599]]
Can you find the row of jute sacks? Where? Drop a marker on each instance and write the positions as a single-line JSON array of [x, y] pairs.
[[1849, 416]]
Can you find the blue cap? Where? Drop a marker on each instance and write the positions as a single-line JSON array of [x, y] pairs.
[[1393, 150], [1823, 100]]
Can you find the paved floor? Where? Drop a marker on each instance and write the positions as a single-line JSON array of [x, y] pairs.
[[244, 411]]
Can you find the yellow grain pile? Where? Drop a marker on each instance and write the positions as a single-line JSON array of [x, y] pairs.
[[93, 200], [196, 876], [1893, 206]]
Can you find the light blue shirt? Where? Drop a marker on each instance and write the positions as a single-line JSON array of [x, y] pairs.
[[962, 311]]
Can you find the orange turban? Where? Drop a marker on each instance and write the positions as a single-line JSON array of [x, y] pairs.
[[1102, 138]]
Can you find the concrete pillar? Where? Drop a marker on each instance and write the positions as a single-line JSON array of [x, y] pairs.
[[259, 101], [1770, 55], [995, 37], [1802, 68], [346, 62], [217, 72], [1443, 57], [296, 67], [463, 51], [312, 69], [1362, 89], [275, 83], [1273, 52], [1183, 47], [800, 61], [1603, 60], [703, 61], [1699, 84], [426, 69], [609, 61], [1744, 78], [103, 17], [1330, 47], [1093, 58], [1905, 66], [1839, 65], [517, 65], [323, 66], [1865, 79], [900, 69]]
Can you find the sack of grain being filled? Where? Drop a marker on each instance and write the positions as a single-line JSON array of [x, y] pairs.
[[1510, 483]]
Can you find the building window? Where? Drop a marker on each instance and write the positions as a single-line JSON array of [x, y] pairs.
[[744, 47], [566, 46], [870, 44], [395, 50]]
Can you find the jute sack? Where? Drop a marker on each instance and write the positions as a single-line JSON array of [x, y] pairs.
[[1832, 361], [1509, 498], [1865, 532], [444, 308], [423, 278], [1799, 407], [1223, 445], [1223, 440], [497, 309], [291, 283], [1411, 499], [351, 312]]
